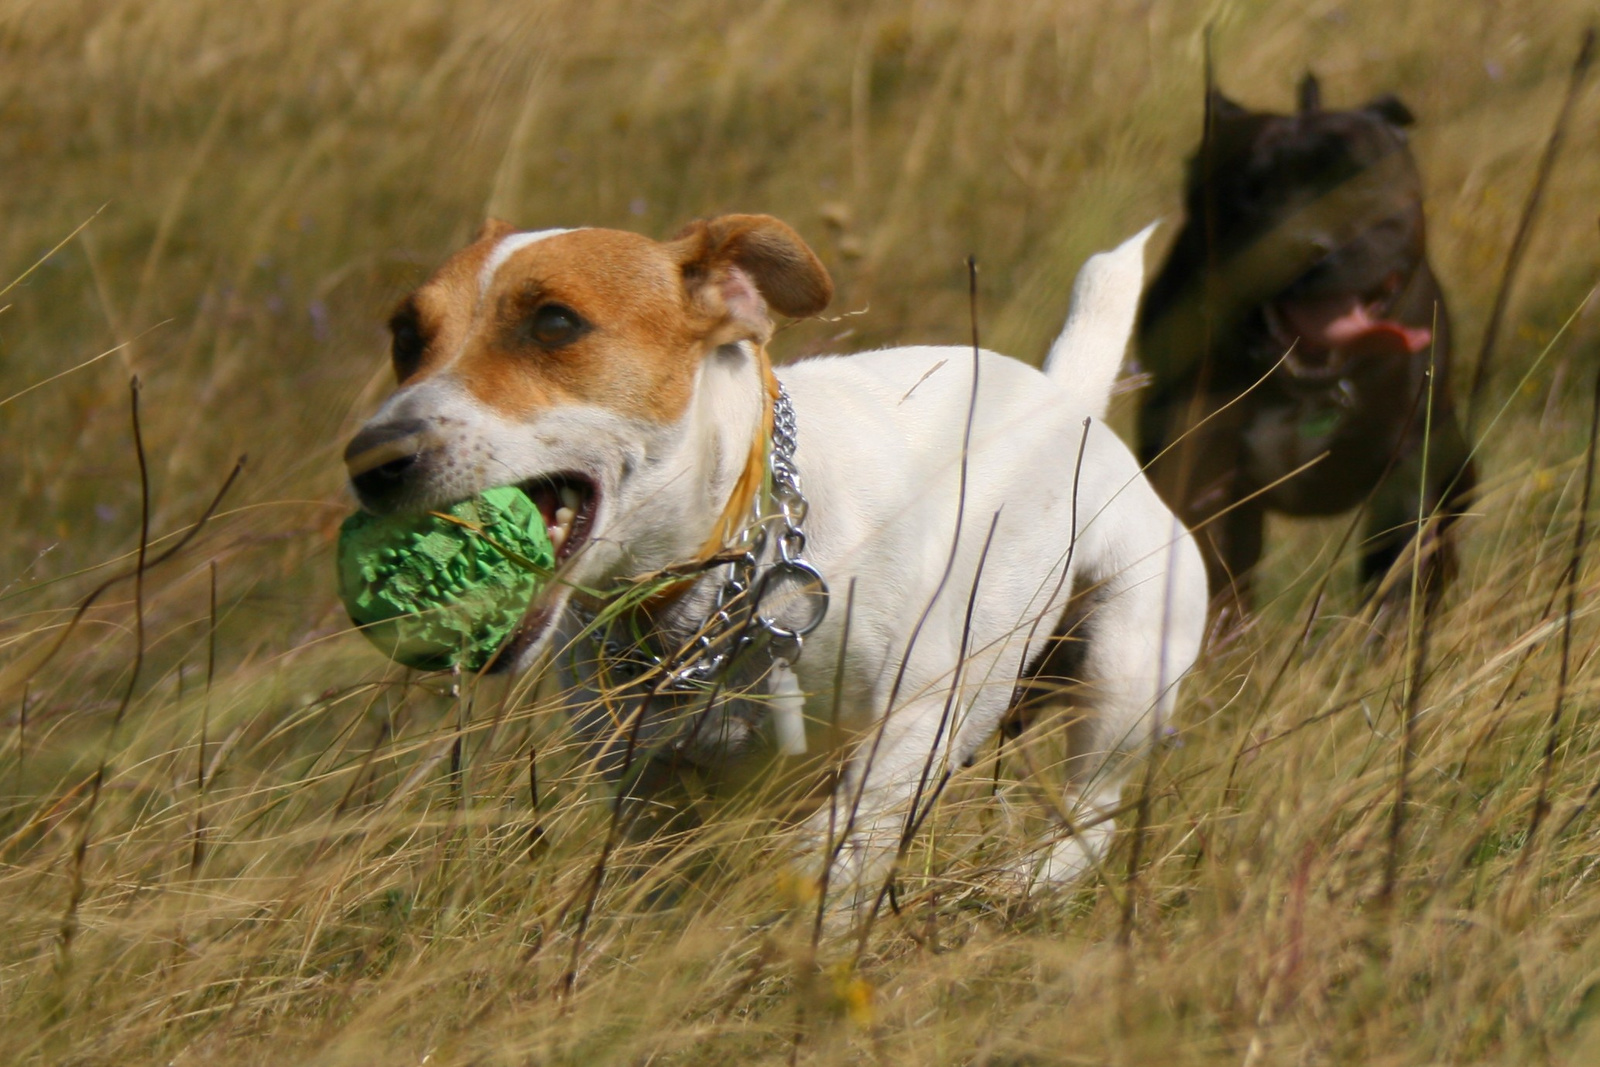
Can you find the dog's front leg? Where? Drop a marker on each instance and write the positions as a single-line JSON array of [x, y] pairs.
[[887, 786], [1435, 485], [629, 737]]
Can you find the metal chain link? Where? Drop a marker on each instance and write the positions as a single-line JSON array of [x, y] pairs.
[[736, 623]]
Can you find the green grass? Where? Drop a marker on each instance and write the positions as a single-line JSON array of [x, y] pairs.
[[266, 179]]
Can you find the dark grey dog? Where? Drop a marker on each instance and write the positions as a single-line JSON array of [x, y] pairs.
[[1294, 323]]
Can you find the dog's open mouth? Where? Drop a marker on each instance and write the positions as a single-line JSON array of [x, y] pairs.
[[567, 502], [1324, 334]]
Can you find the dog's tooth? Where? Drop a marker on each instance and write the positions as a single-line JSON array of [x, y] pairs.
[[570, 497], [561, 528]]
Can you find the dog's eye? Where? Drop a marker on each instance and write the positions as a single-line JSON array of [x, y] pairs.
[[408, 343], [554, 325]]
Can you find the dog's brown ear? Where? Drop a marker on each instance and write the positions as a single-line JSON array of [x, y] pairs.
[[1310, 94], [738, 266], [493, 229], [1389, 108]]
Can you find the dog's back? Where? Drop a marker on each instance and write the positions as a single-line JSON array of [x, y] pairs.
[[963, 551]]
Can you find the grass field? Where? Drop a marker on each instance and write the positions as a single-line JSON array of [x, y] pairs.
[[299, 854]]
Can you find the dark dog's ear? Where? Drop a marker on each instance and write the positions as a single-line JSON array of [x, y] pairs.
[[493, 229], [1221, 109], [737, 266], [1389, 108], [1310, 96]]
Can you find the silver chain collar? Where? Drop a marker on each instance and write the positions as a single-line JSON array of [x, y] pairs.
[[736, 623]]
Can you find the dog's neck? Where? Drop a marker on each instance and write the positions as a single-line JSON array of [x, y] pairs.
[[695, 483]]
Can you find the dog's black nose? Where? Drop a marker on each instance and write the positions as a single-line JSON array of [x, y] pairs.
[[381, 458]]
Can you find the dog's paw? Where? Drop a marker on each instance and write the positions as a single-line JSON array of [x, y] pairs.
[[1066, 860]]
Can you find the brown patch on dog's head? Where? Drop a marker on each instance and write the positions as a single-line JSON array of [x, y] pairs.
[[430, 321], [603, 317]]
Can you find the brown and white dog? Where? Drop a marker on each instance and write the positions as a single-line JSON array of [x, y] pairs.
[[624, 383]]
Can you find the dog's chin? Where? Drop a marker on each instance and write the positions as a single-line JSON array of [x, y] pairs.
[[532, 633]]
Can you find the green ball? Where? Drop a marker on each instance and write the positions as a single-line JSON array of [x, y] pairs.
[[432, 593]]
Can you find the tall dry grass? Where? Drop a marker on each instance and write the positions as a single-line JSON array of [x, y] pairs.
[[299, 854]]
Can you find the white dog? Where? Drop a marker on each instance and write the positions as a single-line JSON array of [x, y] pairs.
[[624, 383]]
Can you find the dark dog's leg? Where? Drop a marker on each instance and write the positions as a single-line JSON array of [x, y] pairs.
[[1392, 524], [1200, 477], [1232, 544], [1054, 678]]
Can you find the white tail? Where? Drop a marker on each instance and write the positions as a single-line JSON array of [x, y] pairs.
[[1105, 300]]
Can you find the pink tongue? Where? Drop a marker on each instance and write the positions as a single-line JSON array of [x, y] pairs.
[[1345, 323]]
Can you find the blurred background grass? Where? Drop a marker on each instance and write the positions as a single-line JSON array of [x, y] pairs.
[[265, 179]]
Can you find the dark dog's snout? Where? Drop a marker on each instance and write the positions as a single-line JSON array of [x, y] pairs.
[[382, 458]]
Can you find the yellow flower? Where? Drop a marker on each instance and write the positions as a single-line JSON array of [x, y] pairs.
[[852, 993], [796, 890]]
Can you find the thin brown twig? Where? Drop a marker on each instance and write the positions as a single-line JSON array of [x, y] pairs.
[[1414, 681], [1391, 868], [22, 738], [1299, 644], [197, 854], [1530, 209], [98, 591], [1496, 720], [613, 834], [80, 851], [1055, 594], [825, 876], [1141, 823], [944, 578], [916, 814], [1541, 804], [914, 817], [536, 829]]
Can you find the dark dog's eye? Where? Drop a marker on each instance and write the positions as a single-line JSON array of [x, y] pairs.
[[408, 343], [554, 325]]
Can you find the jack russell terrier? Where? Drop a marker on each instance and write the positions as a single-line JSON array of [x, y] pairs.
[[975, 558]]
